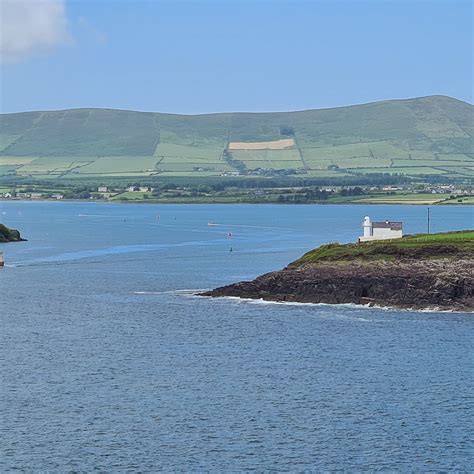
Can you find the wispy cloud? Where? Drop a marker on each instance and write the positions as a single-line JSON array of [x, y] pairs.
[[31, 27]]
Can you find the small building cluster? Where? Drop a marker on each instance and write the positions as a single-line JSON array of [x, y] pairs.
[[140, 189], [384, 230], [29, 195]]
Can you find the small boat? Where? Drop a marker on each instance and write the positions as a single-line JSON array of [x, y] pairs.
[[212, 224], [2, 260]]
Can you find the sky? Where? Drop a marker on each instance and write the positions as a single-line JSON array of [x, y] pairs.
[[203, 56]]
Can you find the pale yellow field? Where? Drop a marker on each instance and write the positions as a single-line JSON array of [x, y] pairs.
[[273, 145], [16, 160]]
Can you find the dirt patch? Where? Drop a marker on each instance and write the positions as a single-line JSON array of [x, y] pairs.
[[273, 145]]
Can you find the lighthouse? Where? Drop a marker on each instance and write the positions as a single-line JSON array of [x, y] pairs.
[[385, 230], [367, 226]]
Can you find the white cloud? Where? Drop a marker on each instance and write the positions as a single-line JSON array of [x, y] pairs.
[[30, 27]]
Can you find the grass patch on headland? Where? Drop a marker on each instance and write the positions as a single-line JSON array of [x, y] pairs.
[[419, 246]]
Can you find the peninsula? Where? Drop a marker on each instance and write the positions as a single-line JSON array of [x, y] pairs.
[[9, 235], [424, 271]]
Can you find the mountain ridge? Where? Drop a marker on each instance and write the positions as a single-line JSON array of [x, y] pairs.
[[424, 136], [311, 109]]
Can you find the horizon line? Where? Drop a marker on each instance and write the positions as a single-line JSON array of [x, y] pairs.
[[238, 112]]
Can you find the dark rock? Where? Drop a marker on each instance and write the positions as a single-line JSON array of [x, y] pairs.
[[447, 284], [9, 235]]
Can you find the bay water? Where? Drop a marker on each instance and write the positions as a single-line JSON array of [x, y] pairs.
[[110, 362]]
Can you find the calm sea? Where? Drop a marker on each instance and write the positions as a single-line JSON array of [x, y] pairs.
[[109, 362]]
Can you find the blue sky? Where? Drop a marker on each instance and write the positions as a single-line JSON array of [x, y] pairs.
[[202, 56]]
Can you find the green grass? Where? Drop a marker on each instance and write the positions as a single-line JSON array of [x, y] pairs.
[[456, 157], [404, 197], [269, 159], [7, 169], [408, 171], [362, 162], [16, 160], [130, 196], [188, 152], [352, 150], [460, 200], [123, 164], [427, 246], [7, 140], [170, 164]]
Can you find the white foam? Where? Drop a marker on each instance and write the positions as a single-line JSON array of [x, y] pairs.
[[196, 293], [335, 305], [182, 292]]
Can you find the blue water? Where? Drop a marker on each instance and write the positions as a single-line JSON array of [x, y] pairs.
[[109, 362]]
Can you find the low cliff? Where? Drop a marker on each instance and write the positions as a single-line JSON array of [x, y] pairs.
[[9, 235], [419, 271]]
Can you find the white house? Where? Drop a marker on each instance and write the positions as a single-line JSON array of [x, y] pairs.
[[102, 189], [380, 230]]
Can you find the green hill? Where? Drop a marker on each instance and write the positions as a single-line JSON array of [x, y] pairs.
[[419, 246], [415, 137]]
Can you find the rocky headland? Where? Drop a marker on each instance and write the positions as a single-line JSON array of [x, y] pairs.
[[9, 235], [434, 271]]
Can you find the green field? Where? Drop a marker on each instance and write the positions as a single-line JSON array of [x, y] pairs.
[[460, 200], [130, 196], [403, 198], [418, 246], [269, 159], [429, 136]]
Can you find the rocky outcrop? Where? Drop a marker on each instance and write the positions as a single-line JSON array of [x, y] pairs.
[[9, 235], [444, 283]]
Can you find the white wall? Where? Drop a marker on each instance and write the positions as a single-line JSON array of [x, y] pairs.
[[382, 233]]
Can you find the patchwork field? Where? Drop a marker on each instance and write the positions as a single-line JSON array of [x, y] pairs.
[[409, 198], [430, 136], [269, 158], [188, 152], [120, 165], [272, 145]]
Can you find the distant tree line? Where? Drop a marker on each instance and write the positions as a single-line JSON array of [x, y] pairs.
[[220, 183]]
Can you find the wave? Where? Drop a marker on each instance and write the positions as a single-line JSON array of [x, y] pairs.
[[183, 292], [334, 305]]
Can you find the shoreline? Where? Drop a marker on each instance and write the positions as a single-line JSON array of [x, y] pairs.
[[193, 202], [421, 271], [410, 309]]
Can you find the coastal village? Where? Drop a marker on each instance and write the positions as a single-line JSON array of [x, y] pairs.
[[384, 194]]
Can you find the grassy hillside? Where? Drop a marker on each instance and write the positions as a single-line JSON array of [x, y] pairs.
[[420, 246], [416, 137]]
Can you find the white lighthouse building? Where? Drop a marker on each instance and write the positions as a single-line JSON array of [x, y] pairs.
[[384, 230]]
